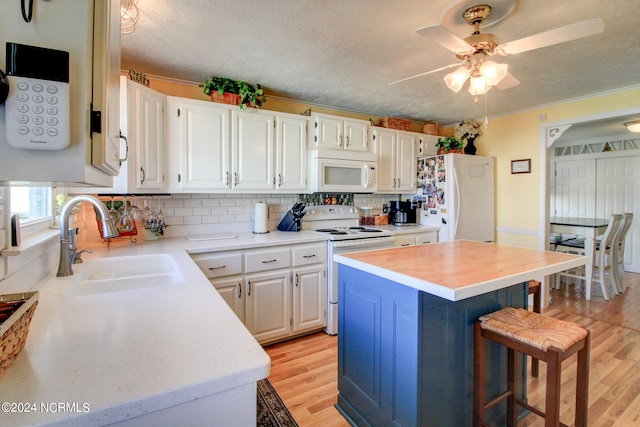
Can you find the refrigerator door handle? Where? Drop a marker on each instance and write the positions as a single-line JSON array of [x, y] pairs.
[[457, 192]]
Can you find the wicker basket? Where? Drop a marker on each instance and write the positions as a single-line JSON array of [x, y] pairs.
[[431, 128], [453, 150], [394, 123], [225, 98], [14, 329]]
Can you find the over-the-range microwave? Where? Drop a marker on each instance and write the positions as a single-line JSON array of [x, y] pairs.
[[340, 175]]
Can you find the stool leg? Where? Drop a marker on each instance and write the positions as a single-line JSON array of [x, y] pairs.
[[512, 385], [478, 375], [537, 308], [552, 402], [582, 383]]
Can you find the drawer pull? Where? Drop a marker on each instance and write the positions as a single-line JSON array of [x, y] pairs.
[[308, 256], [406, 244], [217, 268], [269, 261]]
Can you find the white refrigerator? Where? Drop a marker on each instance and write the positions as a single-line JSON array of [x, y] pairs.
[[458, 196]]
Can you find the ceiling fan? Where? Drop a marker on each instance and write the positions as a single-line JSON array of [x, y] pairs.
[[473, 50]]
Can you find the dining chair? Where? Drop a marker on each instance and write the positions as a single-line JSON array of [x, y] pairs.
[[603, 260], [618, 249]]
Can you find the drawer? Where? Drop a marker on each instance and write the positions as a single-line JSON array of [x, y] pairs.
[[404, 240], [309, 254], [219, 264], [270, 259], [424, 238]]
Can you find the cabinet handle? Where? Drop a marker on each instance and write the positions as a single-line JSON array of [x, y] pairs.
[[235, 179], [279, 180], [398, 182], [143, 177], [179, 178], [340, 141], [217, 268], [394, 183], [296, 280], [248, 289], [126, 148], [406, 244], [348, 141], [227, 179], [308, 256], [269, 261], [239, 290]]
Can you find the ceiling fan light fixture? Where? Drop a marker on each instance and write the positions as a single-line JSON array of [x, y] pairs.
[[633, 126], [493, 72], [456, 79], [128, 16], [478, 85]]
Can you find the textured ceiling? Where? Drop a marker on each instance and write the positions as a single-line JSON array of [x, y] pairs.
[[343, 53]]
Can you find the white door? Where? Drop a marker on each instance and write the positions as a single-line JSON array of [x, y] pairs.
[[356, 134], [147, 107], [574, 188], [204, 140], [386, 154], [309, 298], [268, 302], [291, 153], [618, 191], [230, 289], [406, 163], [252, 148]]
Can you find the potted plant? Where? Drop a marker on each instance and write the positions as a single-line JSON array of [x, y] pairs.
[[449, 145], [246, 94]]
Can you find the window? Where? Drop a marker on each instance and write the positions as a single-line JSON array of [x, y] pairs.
[[31, 203]]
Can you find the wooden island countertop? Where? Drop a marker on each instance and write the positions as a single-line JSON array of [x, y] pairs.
[[460, 269]]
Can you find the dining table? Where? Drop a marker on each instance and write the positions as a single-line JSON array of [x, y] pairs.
[[588, 228]]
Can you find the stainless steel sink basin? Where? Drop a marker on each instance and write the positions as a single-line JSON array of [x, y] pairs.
[[116, 274]]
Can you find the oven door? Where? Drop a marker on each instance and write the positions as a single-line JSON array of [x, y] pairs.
[[346, 176], [343, 247]]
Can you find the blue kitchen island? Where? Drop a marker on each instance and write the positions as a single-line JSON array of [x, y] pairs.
[[405, 328]]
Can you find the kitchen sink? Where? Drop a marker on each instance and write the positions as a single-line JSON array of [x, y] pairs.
[[116, 274]]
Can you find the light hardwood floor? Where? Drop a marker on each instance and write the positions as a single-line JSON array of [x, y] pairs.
[[304, 371]]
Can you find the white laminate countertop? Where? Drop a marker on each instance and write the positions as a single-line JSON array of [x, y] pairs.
[[113, 356], [460, 269]]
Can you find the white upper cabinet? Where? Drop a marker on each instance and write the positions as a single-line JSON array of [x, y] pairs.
[[426, 145], [214, 147], [144, 129], [396, 156], [291, 153], [252, 141], [339, 133], [199, 141]]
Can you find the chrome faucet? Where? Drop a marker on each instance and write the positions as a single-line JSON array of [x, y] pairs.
[[67, 245]]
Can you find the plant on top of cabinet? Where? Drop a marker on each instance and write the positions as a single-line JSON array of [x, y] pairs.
[[449, 145], [247, 94]]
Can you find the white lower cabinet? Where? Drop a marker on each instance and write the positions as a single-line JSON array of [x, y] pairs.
[[278, 292], [416, 238]]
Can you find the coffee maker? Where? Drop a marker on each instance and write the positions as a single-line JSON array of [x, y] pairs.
[[402, 213]]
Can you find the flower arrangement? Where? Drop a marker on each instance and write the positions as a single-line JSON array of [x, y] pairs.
[[468, 129]]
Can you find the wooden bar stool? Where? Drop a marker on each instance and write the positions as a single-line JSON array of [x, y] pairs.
[[544, 338], [534, 289]]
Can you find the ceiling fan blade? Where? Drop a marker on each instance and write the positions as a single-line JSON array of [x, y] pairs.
[[445, 38], [558, 35], [426, 72], [508, 82]]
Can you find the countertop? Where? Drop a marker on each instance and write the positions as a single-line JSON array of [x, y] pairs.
[[113, 356], [460, 269]]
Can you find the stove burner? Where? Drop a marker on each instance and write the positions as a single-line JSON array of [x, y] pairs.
[[331, 231], [356, 228], [370, 230]]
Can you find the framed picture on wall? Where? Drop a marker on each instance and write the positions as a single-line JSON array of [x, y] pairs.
[[521, 166]]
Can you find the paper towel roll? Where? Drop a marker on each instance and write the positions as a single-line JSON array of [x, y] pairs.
[[260, 218]]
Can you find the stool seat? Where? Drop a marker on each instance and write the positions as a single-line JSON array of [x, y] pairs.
[[533, 329]]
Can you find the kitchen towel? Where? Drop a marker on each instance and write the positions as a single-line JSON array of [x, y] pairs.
[[260, 218]]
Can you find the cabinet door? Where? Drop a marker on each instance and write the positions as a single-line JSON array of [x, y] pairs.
[[429, 237], [145, 111], [356, 134], [329, 133], [404, 240], [252, 143], [385, 144], [230, 289], [204, 145], [291, 153], [268, 314], [309, 298], [406, 163], [105, 145]]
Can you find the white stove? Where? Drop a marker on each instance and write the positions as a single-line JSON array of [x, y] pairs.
[[340, 225]]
